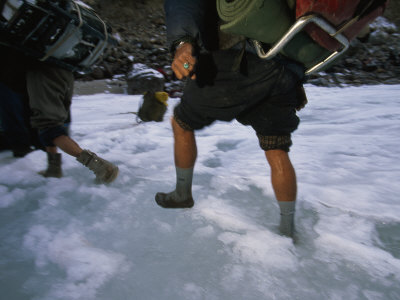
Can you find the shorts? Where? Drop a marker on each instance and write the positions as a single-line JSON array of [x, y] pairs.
[[50, 92], [261, 94]]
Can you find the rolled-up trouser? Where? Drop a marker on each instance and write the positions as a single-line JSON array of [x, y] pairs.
[[50, 92], [261, 93]]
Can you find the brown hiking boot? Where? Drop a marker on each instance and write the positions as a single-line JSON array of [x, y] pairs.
[[105, 171], [53, 166]]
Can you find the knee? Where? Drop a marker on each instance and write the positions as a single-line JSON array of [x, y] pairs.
[[179, 127], [278, 160]]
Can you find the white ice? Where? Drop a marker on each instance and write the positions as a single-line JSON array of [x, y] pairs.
[[72, 239]]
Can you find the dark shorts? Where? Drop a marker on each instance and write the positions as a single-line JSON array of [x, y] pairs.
[[260, 93]]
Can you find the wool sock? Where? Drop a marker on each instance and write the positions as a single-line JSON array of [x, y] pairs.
[[181, 197], [287, 209], [183, 183]]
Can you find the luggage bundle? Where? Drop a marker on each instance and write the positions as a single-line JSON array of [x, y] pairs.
[[313, 32], [63, 32]]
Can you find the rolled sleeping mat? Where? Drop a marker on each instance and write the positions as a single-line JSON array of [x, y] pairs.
[[265, 21]]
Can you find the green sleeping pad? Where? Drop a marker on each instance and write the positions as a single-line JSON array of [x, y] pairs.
[[267, 21]]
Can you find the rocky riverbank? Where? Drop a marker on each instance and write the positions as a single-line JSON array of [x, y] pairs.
[[140, 27]]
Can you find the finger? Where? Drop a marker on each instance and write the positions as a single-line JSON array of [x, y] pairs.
[[177, 72], [190, 59], [187, 68], [183, 67], [179, 69], [184, 61]]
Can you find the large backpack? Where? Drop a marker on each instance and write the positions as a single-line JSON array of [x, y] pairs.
[[66, 33], [312, 32], [350, 16]]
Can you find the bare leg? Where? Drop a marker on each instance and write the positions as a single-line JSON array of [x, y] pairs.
[[283, 178], [67, 145], [185, 153], [185, 149], [105, 171], [51, 150]]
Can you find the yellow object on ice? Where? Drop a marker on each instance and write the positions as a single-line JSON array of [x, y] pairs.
[[162, 97]]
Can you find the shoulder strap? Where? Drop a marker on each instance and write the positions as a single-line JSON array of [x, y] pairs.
[[365, 7]]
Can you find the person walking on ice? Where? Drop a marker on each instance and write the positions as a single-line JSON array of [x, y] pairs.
[[226, 80]]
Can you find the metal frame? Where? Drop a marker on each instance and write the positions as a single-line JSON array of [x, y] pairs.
[[295, 29], [71, 36]]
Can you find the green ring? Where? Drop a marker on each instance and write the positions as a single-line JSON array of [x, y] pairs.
[[186, 65]]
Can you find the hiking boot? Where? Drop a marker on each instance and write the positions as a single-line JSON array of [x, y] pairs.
[[105, 171], [172, 200], [53, 166]]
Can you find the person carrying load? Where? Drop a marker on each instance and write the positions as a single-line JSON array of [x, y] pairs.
[[50, 40], [247, 60]]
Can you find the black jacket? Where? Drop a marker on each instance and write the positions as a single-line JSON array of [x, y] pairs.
[[13, 69], [194, 21]]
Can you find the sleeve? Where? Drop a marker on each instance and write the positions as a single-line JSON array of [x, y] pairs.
[[185, 21]]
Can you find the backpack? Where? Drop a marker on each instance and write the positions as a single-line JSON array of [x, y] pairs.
[[66, 33], [350, 16], [312, 32]]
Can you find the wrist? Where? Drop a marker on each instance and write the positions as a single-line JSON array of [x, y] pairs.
[[182, 41]]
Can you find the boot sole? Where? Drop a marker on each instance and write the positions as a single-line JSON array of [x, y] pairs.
[[161, 201], [43, 173]]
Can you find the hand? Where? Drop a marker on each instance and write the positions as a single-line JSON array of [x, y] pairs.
[[184, 61]]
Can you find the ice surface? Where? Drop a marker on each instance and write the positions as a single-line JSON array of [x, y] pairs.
[[72, 239]]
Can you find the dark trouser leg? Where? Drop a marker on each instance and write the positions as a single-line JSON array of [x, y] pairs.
[[13, 123]]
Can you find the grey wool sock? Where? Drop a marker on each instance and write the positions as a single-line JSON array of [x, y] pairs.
[[181, 197], [287, 209], [184, 183]]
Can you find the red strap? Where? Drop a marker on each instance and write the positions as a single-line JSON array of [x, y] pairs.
[[336, 12]]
